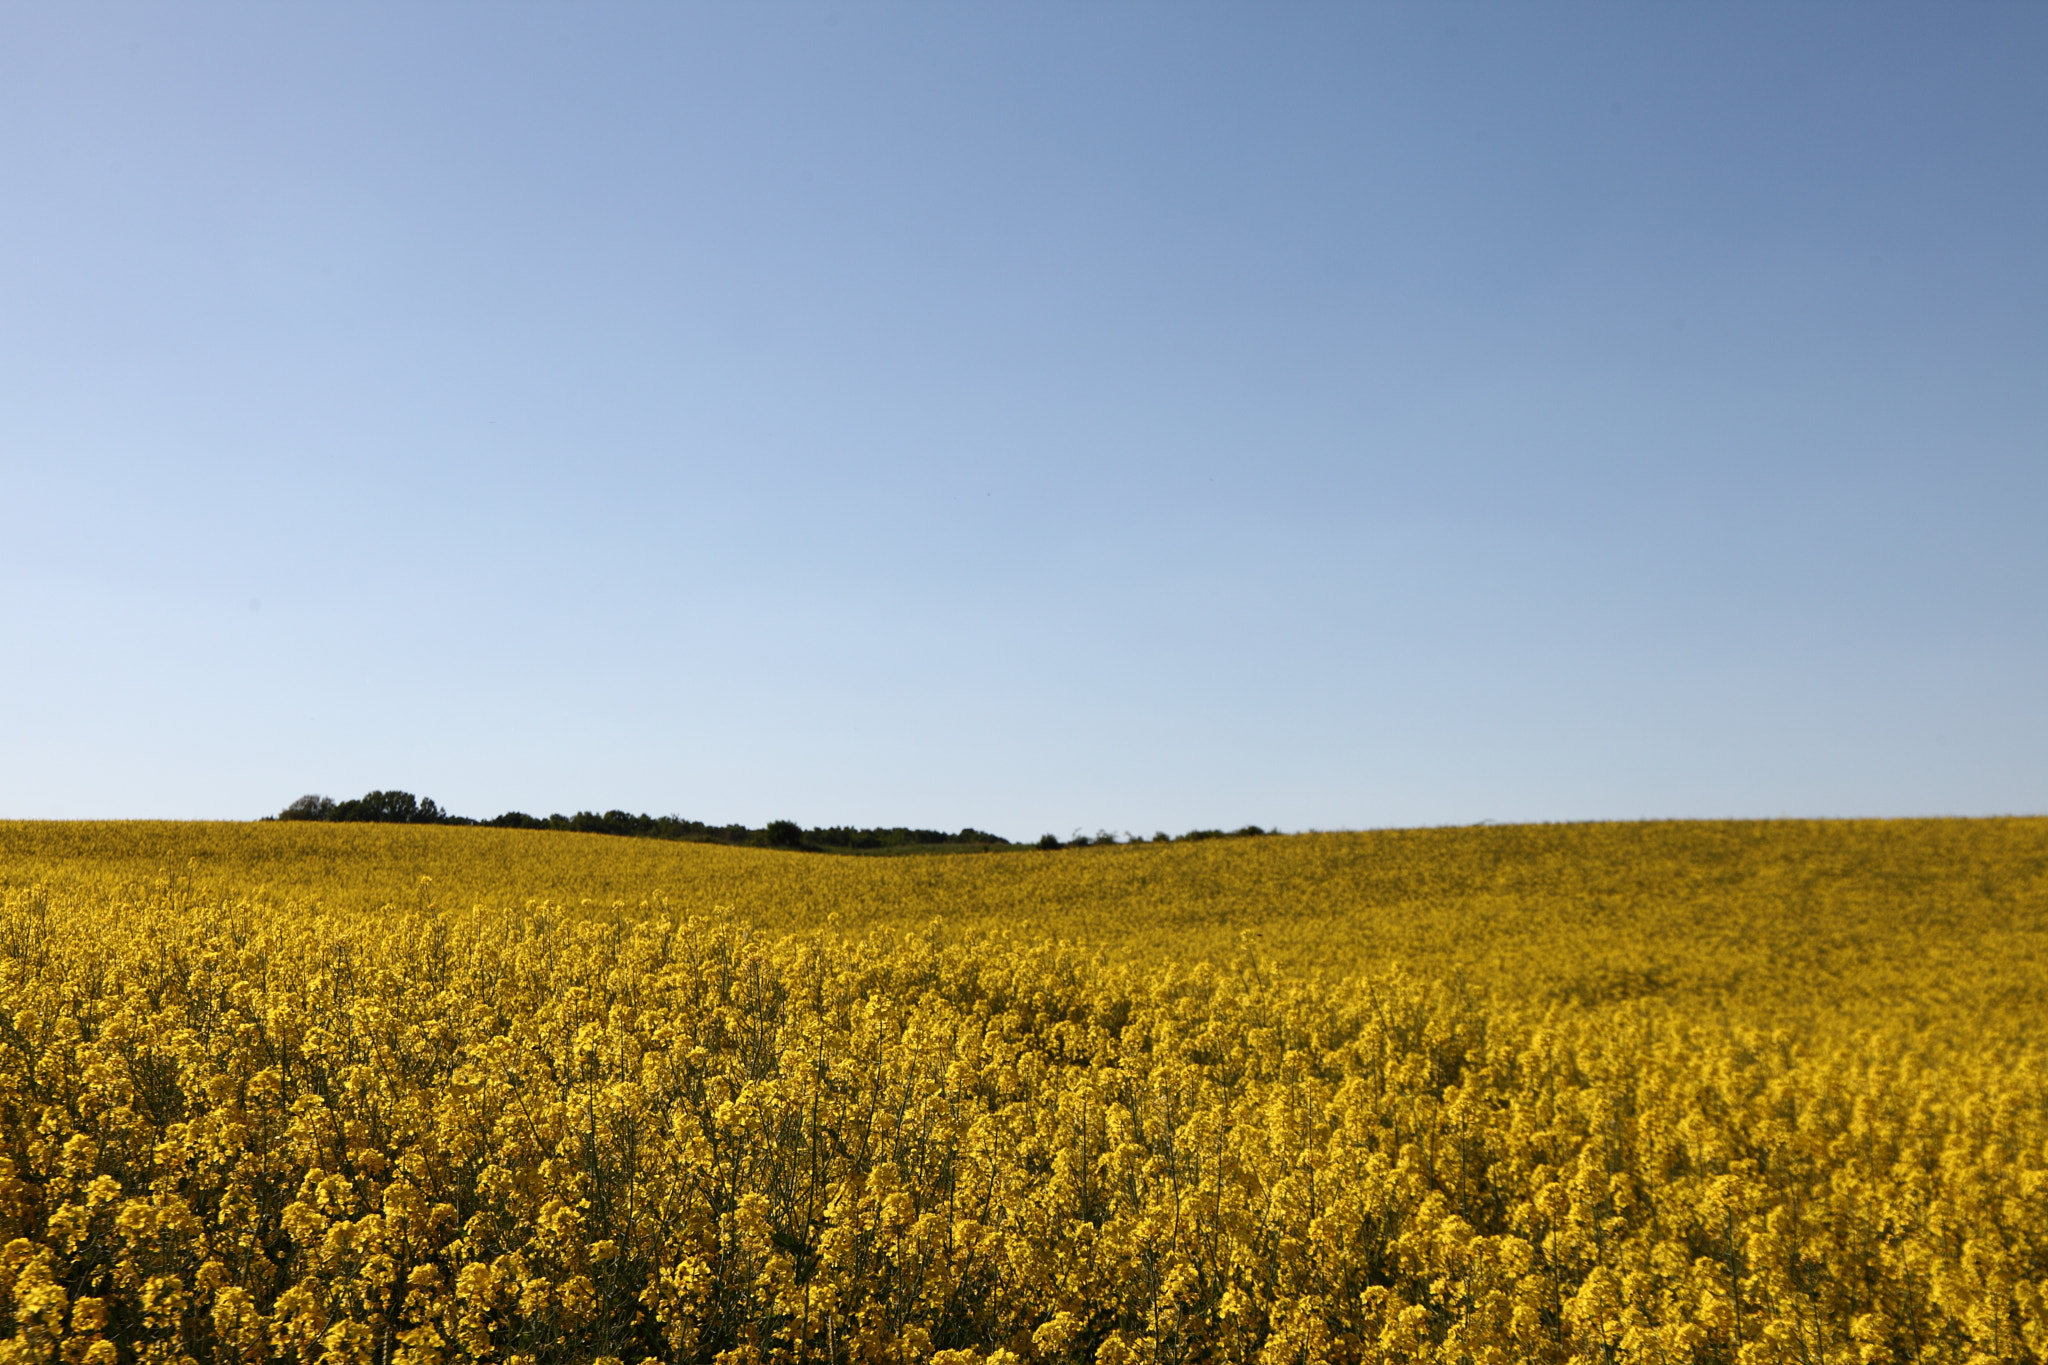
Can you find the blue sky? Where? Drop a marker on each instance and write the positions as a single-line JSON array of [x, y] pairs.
[[1040, 417]]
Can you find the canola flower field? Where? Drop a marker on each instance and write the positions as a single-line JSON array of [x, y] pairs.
[[1762, 1091]]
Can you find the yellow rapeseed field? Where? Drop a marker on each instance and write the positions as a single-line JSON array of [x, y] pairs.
[[1694, 1092]]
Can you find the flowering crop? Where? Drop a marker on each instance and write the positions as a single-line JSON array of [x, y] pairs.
[[241, 1121]]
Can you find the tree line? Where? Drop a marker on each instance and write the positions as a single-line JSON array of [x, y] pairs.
[[403, 808]]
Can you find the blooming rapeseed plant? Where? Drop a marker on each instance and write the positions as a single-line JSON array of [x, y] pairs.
[[284, 1101]]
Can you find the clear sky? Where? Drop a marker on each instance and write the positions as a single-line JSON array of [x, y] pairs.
[[1044, 417]]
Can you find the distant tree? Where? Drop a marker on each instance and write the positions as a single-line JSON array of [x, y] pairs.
[[391, 808], [516, 819], [309, 808], [399, 807], [1049, 841], [381, 807]]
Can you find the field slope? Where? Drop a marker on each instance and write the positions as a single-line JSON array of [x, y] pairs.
[[1681, 1091]]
